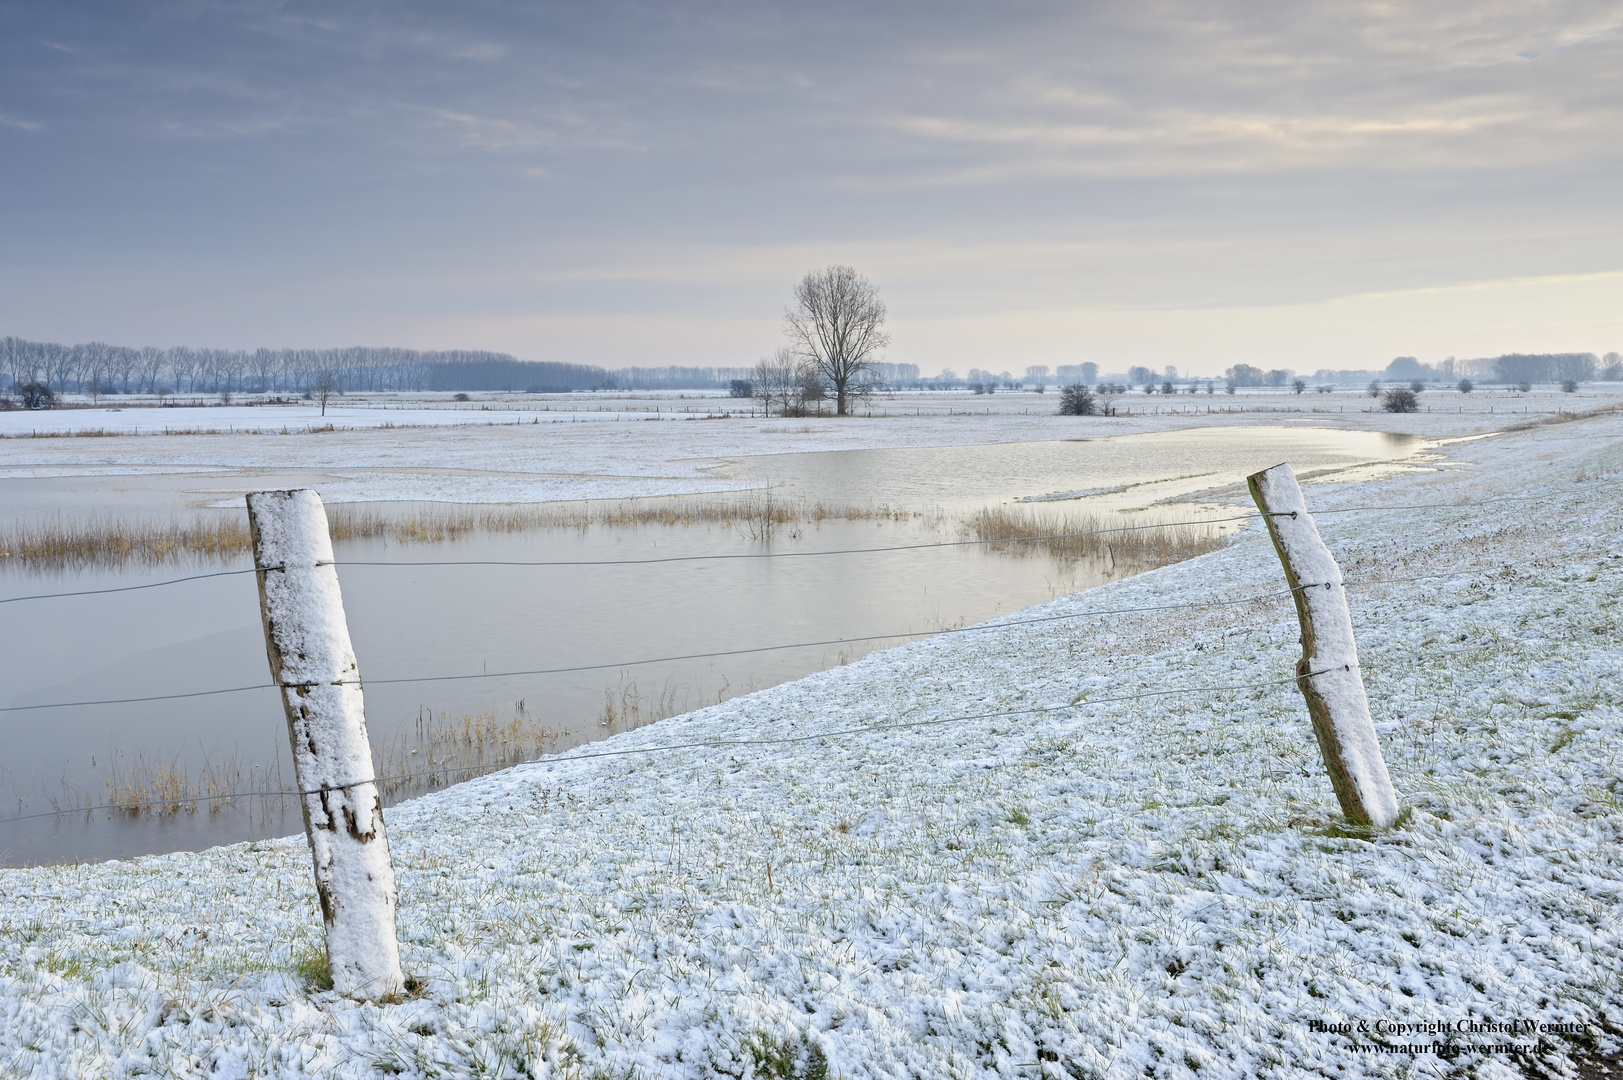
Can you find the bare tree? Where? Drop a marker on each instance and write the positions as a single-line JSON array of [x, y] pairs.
[[324, 386], [150, 367], [837, 323], [778, 380]]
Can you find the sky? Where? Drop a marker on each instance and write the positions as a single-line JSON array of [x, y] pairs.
[[1305, 185]]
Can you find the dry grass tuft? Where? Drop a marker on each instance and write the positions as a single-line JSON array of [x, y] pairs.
[[115, 542], [1067, 538], [442, 749], [445, 749], [166, 788], [118, 542], [760, 516]]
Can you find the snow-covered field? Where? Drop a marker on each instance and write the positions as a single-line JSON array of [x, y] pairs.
[[975, 862], [524, 448]]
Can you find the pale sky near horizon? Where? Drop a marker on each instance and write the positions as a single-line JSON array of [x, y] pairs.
[[1301, 185]]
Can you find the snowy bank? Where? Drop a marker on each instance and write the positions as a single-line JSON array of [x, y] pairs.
[[1152, 886]]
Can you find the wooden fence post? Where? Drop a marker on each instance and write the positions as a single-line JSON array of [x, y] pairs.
[[1328, 672], [311, 660]]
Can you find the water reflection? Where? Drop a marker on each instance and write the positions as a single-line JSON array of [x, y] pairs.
[[599, 624]]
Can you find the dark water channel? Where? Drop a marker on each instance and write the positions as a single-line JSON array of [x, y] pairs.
[[409, 621]]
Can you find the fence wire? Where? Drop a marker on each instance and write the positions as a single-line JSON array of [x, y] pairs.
[[697, 744], [980, 628]]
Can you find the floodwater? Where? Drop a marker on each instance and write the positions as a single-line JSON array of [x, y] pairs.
[[630, 634]]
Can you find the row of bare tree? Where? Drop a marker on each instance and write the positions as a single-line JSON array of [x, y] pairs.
[[97, 367]]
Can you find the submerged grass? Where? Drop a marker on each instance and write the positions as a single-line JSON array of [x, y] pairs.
[[1073, 538], [114, 542], [118, 542], [439, 750], [448, 748]]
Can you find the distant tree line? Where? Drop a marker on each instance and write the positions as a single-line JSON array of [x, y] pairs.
[[1512, 368], [678, 378], [98, 367], [1555, 367]]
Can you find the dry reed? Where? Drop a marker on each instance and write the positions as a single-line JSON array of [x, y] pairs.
[[166, 788], [440, 750], [1088, 537], [446, 748], [116, 542], [61, 544]]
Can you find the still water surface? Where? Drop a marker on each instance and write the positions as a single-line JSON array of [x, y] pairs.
[[461, 620]]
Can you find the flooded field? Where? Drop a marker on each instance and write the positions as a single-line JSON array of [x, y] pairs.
[[471, 661]]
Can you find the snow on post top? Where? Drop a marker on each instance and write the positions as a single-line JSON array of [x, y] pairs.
[[310, 632]]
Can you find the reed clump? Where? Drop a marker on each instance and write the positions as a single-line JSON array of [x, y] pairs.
[[448, 748], [754, 514], [113, 542], [629, 710], [166, 788], [1091, 537]]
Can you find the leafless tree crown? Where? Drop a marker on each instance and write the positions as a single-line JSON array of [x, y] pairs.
[[838, 323]]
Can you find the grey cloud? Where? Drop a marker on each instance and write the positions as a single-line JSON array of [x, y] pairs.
[[1135, 152]]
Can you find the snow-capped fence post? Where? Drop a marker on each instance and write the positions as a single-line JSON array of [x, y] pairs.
[[313, 663], [1328, 672]]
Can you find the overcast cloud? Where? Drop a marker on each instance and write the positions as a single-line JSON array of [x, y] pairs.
[[620, 183]]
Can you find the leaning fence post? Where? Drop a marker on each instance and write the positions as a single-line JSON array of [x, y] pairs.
[[1328, 672], [311, 660]]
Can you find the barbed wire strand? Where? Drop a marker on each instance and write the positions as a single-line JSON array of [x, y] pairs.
[[978, 628], [135, 588], [710, 744]]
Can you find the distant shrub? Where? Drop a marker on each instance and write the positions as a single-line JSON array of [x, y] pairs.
[[1374, 388], [1167, 387], [1569, 386], [1077, 400], [1299, 386], [35, 395], [741, 388], [1466, 386], [1400, 399], [1417, 386], [1524, 387], [454, 397]]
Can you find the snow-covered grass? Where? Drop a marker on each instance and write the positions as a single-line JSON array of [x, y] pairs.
[[1154, 886]]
